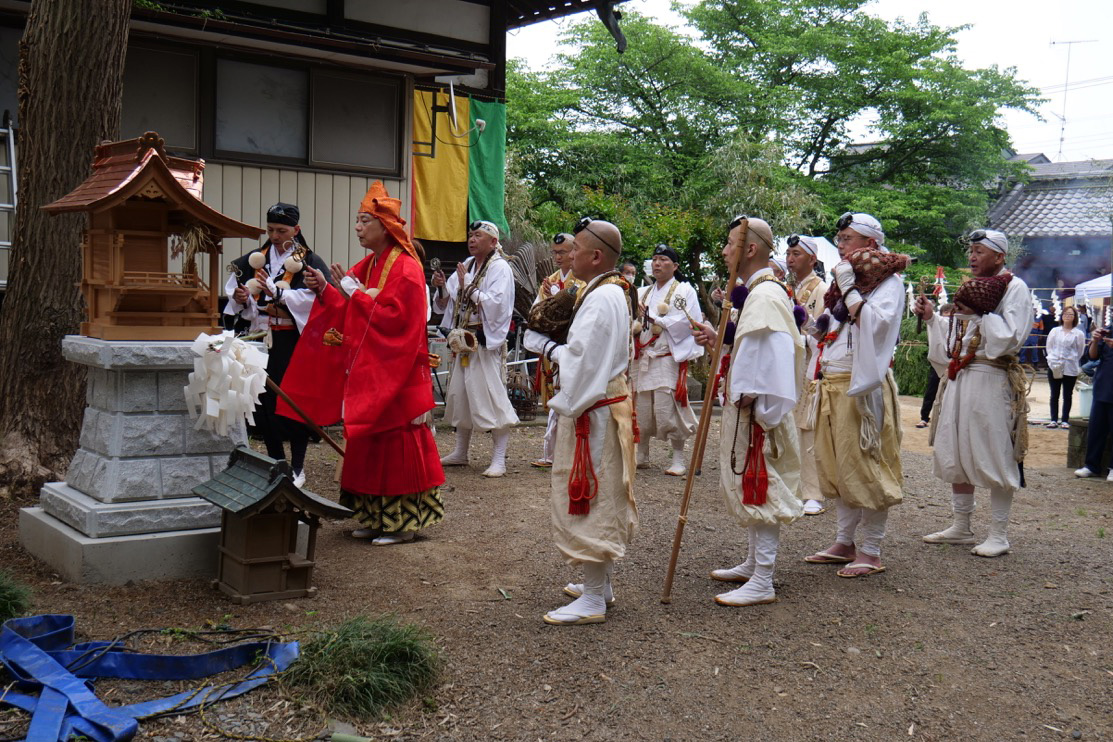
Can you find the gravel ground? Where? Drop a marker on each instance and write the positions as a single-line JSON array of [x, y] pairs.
[[942, 646]]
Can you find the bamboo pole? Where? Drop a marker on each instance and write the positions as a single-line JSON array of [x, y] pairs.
[[696, 461]]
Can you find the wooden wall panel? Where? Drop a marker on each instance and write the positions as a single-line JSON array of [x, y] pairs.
[[328, 204]]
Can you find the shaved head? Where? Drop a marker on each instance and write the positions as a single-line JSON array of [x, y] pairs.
[[760, 234], [596, 250]]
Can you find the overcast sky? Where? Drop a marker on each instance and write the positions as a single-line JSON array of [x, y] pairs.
[[1008, 34]]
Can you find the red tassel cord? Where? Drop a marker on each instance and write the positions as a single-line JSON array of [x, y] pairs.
[[724, 365], [682, 384], [755, 477], [637, 430], [583, 485]]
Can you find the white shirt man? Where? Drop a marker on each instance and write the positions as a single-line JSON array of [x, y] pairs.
[[983, 403], [477, 302], [663, 347]]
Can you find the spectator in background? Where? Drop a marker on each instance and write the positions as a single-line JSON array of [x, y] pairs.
[[1101, 409], [1030, 353], [932, 389], [1065, 344], [1084, 320]]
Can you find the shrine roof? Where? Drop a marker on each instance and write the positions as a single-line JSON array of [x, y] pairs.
[[139, 168], [252, 481]]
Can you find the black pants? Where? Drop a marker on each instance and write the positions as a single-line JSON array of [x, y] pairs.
[[929, 395], [274, 427], [1067, 385], [1101, 422]]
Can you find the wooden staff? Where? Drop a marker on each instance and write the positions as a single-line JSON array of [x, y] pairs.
[[308, 420], [696, 461], [923, 294]]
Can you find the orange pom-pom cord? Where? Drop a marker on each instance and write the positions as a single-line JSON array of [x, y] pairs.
[[583, 485], [682, 384]]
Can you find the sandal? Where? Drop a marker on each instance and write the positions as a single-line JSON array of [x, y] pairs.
[[923, 424], [871, 569]]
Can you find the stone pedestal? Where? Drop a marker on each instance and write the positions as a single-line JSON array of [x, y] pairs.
[[126, 510]]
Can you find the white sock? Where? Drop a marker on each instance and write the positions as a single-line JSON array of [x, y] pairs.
[[498, 454], [848, 519], [873, 530], [759, 588], [746, 568], [459, 454], [962, 505], [1000, 502], [643, 450], [678, 462], [591, 602]]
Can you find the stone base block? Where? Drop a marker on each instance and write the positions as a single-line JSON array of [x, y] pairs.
[[98, 519], [117, 559], [118, 479]]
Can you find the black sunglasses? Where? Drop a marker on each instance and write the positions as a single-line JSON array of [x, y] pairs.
[[582, 225], [736, 221], [844, 221], [793, 240]]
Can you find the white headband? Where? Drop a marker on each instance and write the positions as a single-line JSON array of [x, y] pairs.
[[994, 240], [808, 245], [780, 264], [487, 227], [867, 226]]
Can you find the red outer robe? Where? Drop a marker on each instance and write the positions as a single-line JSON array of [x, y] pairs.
[[379, 377]]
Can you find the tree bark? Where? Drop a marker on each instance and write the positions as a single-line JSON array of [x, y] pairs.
[[71, 67]]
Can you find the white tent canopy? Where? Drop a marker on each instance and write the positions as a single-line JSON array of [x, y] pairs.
[[1095, 288]]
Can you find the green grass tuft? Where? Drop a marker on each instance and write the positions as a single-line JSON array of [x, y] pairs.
[[364, 666], [15, 598]]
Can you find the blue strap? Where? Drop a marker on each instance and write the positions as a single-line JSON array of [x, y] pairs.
[[34, 650]]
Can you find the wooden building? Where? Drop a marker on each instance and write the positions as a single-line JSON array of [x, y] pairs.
[[308, 101]]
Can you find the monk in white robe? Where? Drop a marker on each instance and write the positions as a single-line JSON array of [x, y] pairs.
[[980, 429], [548, 374], [477, 302], [857, 421], [663, 348], [808, 290], [759, 439], [593, 511]]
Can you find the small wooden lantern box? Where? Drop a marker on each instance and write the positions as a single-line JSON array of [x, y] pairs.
[[139, 200], [259, 559]]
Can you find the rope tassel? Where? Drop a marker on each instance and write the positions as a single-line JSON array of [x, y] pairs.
[[755, 477], [682, 385], [583, 485]]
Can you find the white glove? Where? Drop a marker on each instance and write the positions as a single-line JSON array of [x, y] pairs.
[[843, 274], [350, 285]]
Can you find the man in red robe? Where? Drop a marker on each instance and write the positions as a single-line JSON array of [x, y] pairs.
[[364, 357]]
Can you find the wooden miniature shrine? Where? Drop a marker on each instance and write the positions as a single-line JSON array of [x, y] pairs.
[[259, 558], [144, 209]]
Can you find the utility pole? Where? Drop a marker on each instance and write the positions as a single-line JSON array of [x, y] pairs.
[[1066, 89]]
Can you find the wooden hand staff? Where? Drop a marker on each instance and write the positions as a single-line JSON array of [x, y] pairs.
[[701, 436]]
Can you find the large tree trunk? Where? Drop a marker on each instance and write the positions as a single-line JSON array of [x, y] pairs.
[[71, 67]]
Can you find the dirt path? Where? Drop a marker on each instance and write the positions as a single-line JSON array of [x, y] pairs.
[[943, 646]]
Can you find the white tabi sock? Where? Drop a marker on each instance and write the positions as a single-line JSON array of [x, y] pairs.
[[678, 466], [959, 531], [759, 588], [459, 455], [590, 607], [848, 519], [1000, 502], [549, 445], [745, 570], [643, 452], [498, 455], [873, 530]]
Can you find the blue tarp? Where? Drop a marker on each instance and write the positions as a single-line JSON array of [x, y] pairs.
[[52, 678]]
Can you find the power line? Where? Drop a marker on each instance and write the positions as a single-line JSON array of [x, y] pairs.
[[1066, 88]]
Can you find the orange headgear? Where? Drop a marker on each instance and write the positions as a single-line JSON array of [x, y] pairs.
[[387, 210]]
